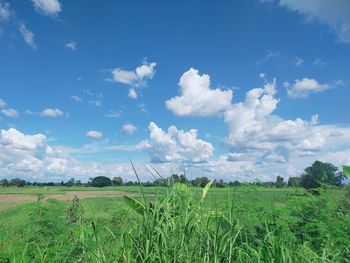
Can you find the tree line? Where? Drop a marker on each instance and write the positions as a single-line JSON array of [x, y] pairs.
[[317, 175]]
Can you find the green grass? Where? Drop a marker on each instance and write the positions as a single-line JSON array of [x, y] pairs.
[[175, 224]]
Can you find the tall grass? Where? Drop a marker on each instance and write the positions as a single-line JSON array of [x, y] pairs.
[[181, 224]]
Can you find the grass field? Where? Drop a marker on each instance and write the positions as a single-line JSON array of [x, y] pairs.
[[175, 224]]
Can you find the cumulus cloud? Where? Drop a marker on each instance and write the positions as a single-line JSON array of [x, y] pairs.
[[333, 13], [176, 145], [32, 158], [271, 144], [27, 35], [52, 113], [94, 134], [134, 78], [71, 45], [129, 128], [47, 7], [197, 98], [248, 116], [48, 112], [304, 87], [5, 11], [11, 113]]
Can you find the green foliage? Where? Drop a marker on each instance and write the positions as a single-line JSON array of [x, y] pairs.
[[280, 182], [319, 174], [181, 224], [117, 180], [134, 205], [346, 170], [294, 181], [101, 181]]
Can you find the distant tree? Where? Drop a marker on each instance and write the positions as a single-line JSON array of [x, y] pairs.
[[70, 182], [4, 183], [294, 181], [183, 179], [174, 178], [219, 183], [78, 182], [161, 182], [200, 181], [280, 182], [234, 183], [117, 180], [129, 183], [101, 181], [319, 174], [18, 182]]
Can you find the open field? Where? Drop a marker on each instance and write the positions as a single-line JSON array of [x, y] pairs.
[[242, 224]]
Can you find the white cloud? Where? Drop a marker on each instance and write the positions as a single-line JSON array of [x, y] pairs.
[[298, 61], [30, 157], [113, 114], [129, 128], [132, 94], [247, 116], [97, 98], [76, 98], [28, 36], [94, 134], [302, 88], [2, 103], [71, 45], [269, 55], [12, 113], [5, 11], [197, 98], [333, 13], [52, 113], [319, 62], [269, 143], [134, 78], [47, 7], [176, 145]]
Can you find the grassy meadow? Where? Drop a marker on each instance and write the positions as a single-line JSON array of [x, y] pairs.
[[174, 224]]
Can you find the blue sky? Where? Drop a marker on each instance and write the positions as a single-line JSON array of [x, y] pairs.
[[249, 89]]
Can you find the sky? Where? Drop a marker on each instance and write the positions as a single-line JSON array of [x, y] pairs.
[[239, 90]]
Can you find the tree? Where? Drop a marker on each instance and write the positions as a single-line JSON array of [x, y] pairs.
[[294, 181], [219, 183], [234, 183], [101, 181], [18, 182], [70, 182], [183, 179], [200, 181], [4, 183], [117, 180], [280, 182], [319, 174], [78, 182]]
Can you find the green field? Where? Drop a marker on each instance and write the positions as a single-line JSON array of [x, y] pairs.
[[175, 224]]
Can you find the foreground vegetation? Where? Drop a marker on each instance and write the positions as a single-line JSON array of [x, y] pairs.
[[177, 222], [181, 224]]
